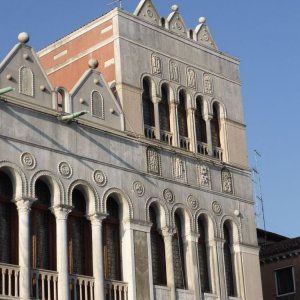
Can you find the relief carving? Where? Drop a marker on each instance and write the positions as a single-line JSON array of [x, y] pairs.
[[174, 71], [65, 169], [153, 160], [207, 84], [217, 208], [227, 186], [192, 202], [138, 188], [168, 196], [156, 64], [28, 160], [191, 78], [179, 170], [204, 176], [99, 178]]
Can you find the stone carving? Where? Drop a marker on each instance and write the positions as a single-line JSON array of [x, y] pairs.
[[179, 170], [28, 160], [156, 64], [97, 105], [227, 186], [26, 81], [138, 188], [150, 13], [207, 84], [192, 202], [191, 78], [168, 196], [204, 175], [153, 160], [216, 208], [99, 178], [65, 169], [174, 71]]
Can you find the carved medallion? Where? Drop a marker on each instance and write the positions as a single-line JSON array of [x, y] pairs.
[[156, 64], [28, 160], [204, 176], [191, 78], [216, 208], [227, 186], [168, 196], [192, 202], [150, 13], [207, 84], [153, 161], [99, 178], [138, 188], [65, 169]]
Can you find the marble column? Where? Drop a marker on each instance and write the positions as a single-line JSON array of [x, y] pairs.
[[207, 120], [98, 271], [168, 235], [156, 101], [24, 207], [221, 268], [192, 129], [174, 123], [61, 214]]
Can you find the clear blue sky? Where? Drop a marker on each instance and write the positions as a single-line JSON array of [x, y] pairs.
[[263, 34]]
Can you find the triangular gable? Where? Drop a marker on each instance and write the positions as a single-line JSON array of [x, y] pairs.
[[146, 10], [176, 24], [93, 94], [22, 70], [204, 37]]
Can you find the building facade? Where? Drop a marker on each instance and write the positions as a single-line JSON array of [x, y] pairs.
[[146, 195]]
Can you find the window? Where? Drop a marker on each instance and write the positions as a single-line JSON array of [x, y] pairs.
[[164, 111], [182, 117], [157, 251], [215, 127], [97, 105], [200, 127], [111, 241], [61, 95], [285, 282], [148, 107]]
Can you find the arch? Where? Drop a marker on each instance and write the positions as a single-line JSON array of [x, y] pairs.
[[164, 112], [172, 93], [162, 209], [122, 199], [234, 226], [211, 222], [201, 134], [26, 81], [55, 185], [182, 113], [187, 217], [222, 109], [97, 103], [152, 81], [89, 192], [18, 178]]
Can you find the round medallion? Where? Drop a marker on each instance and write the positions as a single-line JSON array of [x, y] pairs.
[[99, 178], [192, 202], [168, 196], [65, 169], [150, 13], [138, 188], [28, 160], [217, 208], [178, 25]]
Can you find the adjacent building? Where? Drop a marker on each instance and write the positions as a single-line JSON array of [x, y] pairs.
[[123, 166]]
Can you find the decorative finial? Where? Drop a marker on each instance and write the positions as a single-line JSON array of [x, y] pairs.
[[175, 7], [202, 20], [93, 63], [23, 37]]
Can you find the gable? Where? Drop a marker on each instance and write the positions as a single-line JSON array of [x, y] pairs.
[[22, 71], [176, 23], [204, 37], [147, 11]]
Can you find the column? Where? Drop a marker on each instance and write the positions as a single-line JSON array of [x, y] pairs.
[[213, 267], [174, 122], [167, 235], [192, 129], [156, 101], [207, 120], [221, 268], [98, 272], [61, 213], [193, 272], [23, 206]]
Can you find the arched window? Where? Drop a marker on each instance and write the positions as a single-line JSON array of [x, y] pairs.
[[178, 255], [164, 115], [228, 263], [97, 105], [80, 237], [182, 116], [203, 258], [43, 229], [26, 81], [148, 108], [111, 241], [200, 127], [157, 251], [8, 222], [61, 96], [215, 127]]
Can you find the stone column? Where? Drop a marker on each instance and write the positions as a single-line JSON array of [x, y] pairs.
[[98, 272], [193, 271], [221, 268], [174, 122], [207, 120], [23, 206], [61, 213], [156, 101], [192, 129], [212, 254], [167, 235]]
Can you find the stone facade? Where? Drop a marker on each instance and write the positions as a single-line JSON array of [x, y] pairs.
[[108, 152]]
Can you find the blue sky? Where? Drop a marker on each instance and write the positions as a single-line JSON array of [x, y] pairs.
[[262, 34]]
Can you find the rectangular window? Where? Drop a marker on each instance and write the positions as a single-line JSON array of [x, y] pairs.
[[285, 283]]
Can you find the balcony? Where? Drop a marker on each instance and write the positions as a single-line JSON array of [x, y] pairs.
[[166, 137], [116, 290], [218, 153], [149, 132], [9, 281], [202, 148], [184, 142]]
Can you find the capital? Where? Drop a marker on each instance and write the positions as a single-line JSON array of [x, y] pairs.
[[97, 218], [156, 99], [167, 232], [208, 117], [61, 211], [192, 237], [24, 203]]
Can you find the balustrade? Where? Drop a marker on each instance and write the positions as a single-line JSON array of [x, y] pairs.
[[218, 153], [81, 287], [202, 148], [116, 290], [149, 132], [184, 142], [166, 137], [9, 281]]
